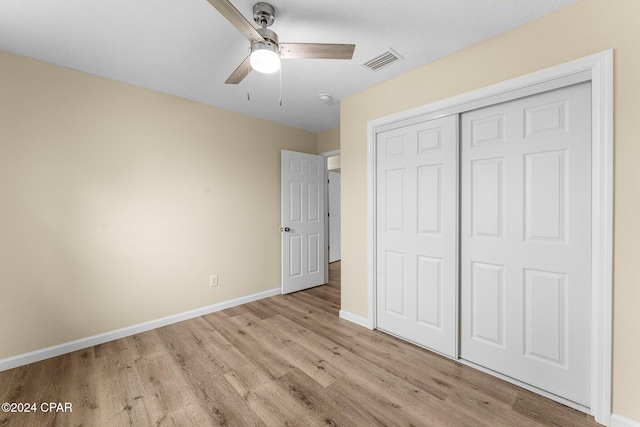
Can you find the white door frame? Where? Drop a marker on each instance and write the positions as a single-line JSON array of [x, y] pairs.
[[597, 68], [334, 217], [328, 154]]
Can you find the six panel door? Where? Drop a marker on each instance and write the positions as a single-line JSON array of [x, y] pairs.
[[416, 233], [525, 240], [304, 214]]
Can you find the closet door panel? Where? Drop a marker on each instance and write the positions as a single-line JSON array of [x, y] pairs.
[[525, 244], [416, 258]]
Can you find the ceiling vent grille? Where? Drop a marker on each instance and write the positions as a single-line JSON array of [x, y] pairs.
[[382, 60]]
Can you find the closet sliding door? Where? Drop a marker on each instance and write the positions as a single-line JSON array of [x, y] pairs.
[[416, 251], [525, 240]]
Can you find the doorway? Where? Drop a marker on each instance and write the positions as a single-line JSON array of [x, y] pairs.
[[335, 223], [334, 185]]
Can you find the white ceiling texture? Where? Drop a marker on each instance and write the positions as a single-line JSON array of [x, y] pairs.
[[187, 49]]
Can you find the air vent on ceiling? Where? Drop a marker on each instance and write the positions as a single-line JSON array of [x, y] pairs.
[[382, 60]]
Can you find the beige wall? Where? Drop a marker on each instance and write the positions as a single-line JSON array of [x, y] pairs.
[[585, 28], [117, 203], [329, 140]]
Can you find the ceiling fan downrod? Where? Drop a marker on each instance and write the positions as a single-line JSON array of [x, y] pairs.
[[264, 14]]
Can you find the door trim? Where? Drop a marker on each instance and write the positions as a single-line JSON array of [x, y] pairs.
[[326, 155], [597, 68]]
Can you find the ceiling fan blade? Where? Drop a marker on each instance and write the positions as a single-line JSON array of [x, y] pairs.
[[232, 15], [240, 73], [316, 50]]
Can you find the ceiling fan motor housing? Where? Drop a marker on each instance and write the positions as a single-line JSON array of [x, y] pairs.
[[268, 35], [270, 41]]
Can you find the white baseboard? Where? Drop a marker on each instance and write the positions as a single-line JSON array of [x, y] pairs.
[[57, 350], [620, 421], [354, 318]]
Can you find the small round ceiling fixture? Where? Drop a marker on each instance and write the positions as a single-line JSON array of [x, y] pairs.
[[326, 98]]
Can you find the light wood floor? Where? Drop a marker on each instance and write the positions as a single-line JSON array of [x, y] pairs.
[[286, 360]]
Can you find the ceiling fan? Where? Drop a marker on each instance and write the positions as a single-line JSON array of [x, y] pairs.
[[266, 51]]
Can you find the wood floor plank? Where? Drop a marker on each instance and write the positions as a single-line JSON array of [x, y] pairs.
[[273, 404], [265, 359], [285, 360], [377, 348], [260, 310], [119, 386], [82, 387], [206, 380], [170, 398], [531, 406], [222, 354], [320, 403], [289, 350], [318, 303], [469, 403]]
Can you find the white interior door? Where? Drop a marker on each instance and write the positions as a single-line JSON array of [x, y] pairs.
[[416, 254], [304, 218], [334, 216], [526, 240]]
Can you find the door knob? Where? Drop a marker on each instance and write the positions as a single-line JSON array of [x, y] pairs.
[[286, 229]]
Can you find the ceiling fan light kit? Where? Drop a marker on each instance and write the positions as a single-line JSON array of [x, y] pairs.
[[265, 57]]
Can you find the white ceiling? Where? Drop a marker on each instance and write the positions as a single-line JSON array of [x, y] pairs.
[[186, 48]]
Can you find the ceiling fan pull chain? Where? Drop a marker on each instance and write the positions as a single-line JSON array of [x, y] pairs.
[[249, 73], [281, 86]]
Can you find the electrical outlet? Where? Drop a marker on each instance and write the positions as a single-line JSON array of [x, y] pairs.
[[213, 280]]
